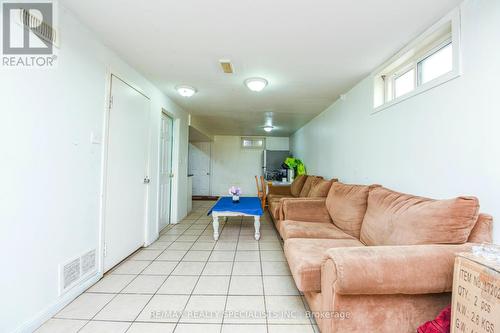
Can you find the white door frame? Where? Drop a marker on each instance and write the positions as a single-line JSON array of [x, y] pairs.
[[173, 170], [211, 167], [178, 162], [210, 164], [104, 167]]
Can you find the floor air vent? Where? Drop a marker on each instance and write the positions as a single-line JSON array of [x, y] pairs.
[[88, 262], [70, 274], [77, 270]]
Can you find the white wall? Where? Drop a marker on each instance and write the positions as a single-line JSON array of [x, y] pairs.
[[277, 143], [51, 173], [442, 143], [232, 165]]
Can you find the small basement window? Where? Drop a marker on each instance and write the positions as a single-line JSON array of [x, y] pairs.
[[430, 60], [404, 83], [252, 143], [437, 63]]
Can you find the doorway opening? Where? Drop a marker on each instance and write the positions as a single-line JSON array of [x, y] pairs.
[[166, 172], [200, 168]]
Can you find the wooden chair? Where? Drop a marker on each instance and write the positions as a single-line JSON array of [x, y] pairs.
[[261, 190]]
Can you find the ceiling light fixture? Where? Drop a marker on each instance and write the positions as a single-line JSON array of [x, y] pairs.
[[268, 128], [256, 83], [185, 91]]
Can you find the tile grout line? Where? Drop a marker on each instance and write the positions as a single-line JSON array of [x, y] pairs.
[[119, 293], [137, 275], [156, 292], [231, 275], [199, 276], [263, 288], [170, 274], [194, 323], [180, 260], [200, 231]]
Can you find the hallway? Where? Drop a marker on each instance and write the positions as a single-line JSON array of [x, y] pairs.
[[186, 282]]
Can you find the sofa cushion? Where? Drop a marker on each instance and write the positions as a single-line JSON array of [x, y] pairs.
[[307, 185], [394, 218], [276, 197], [320, 188], [304, 209], [277, 224], [305, 257], [347, 206], [482, 232], [399, 269], [274, 209], [299, 229], [297, 185], [280, 189]]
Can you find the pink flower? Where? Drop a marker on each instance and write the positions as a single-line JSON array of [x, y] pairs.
[[233, 190]]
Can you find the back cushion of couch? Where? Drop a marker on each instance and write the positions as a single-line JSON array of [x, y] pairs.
[[297, 185], [307, 185], [347, 206], [320, 188], [482, 232], [394, 218]]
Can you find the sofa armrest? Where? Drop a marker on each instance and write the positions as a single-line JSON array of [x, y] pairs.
[[370, 270], [280, 190], [304, 209]]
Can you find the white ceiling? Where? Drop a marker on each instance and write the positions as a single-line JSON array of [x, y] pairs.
[[309, 51]]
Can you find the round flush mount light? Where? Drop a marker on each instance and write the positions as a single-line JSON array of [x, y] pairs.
[[185, 91], [268, 128], [256, 83]]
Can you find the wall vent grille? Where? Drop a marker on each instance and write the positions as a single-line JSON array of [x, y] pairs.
[[71, 273], [227, 67], [77, 270], [88, 262]]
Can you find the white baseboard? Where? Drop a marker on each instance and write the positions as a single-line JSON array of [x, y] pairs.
[[61, 302]]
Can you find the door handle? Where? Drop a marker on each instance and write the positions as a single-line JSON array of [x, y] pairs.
[[147, 180], [171, 175], [208, 173]]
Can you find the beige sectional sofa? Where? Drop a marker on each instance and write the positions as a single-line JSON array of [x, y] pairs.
[[369, 259], [303, 187]]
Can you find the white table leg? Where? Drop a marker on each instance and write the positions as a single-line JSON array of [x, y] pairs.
[[215, 225], [256, 224]]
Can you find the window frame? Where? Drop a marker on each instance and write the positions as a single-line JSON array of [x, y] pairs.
[[433, 51], [403, 71], [384, 80], [253, 139]]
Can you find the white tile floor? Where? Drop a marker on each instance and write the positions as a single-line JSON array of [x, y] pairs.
[[187, 282]]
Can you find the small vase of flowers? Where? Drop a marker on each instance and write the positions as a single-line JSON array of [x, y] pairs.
[[235, 192]]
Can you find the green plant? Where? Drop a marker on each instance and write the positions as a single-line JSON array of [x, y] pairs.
[[295, 164], [291, 162]]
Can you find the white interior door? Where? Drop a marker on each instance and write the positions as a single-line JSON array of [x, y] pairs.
[[126, 192], [166, 175], [199, 167]]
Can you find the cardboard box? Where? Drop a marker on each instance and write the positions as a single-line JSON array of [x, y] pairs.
[[475, 306]]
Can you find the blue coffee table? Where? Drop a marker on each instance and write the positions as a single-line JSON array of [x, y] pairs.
[[248, 206]]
